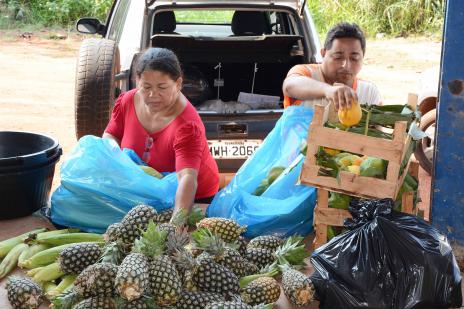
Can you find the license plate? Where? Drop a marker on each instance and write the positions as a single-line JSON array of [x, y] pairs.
[[233, 149]]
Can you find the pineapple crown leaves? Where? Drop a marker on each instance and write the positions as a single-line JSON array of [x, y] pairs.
[[204, 239], [184, 259], [177, 240], [196, 215], [112, 253], [179, 218], [293, 251], [152, 242], [66, 300]]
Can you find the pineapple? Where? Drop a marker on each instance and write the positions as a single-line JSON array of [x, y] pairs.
[[227, 229], [197, 300], [112, 232], [215, 248], [249, 268], [269, 242], [96, 280], [169, 228], [164, 216], [207, 275], [23, 293], [74, 259], [96, 302], [132, 278], [134, 222], [297, 287], [143, 302], [235, 305], [165, 283], [260, 257], [292, 251], [262, 290], [242, 245]]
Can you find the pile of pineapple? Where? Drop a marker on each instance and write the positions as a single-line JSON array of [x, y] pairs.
[[150, 260]]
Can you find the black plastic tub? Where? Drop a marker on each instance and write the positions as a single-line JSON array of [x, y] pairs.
[[27, 165]]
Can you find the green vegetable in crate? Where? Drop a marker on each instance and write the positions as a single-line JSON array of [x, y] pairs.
[[373, 167], [339, 201], [330, 232], [409, 185]]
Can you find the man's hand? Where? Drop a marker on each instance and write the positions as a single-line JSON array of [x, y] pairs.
[[341, 95]]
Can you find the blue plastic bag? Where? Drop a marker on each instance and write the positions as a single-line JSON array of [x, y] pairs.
[[100, 183], [285, 208]]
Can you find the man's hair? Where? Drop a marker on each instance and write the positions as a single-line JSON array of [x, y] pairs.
[[345, 30]]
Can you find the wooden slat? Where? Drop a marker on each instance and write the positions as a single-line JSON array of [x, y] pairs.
[[331, 216], [321, 235], [356, 143], [322, 198], [407, 203], [351, 184]]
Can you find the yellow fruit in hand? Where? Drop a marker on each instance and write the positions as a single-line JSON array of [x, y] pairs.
[[350, 116], [353, 169]]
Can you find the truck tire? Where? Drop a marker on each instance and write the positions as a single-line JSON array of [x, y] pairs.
[[425, 146], [96, 88]]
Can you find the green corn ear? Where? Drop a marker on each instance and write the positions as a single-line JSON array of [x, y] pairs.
[[29, 252], [8, 244], [11, 259], [62, 239]]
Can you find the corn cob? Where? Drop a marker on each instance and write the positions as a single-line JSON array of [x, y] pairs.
[[43, 235], [65, 282], [48, 273], [48, 286], [8, 244], [11, 259], [62, 239], [29, 252], [33, 271]]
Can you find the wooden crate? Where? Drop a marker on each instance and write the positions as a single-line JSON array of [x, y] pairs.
[[325, 216], [392, 151]]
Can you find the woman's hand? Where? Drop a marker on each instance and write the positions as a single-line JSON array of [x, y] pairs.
[[186, 190]]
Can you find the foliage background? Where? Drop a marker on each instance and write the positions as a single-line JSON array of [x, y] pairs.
[[390, 17]]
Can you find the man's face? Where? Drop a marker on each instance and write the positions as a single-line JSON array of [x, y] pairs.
[[343, 61]]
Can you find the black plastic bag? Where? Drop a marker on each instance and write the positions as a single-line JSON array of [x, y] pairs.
[[388, 259]]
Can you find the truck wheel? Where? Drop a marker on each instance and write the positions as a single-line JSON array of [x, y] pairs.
[[425, 147], [96, 87]]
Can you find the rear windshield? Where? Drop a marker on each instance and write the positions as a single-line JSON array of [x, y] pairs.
[[222, 23]]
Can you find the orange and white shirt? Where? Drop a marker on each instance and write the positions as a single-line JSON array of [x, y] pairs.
[[367, 92]]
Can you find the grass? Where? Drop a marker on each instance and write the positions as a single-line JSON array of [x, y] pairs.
[[390, 17]]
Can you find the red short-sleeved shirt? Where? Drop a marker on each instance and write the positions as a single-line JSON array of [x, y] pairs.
[[181, 144]]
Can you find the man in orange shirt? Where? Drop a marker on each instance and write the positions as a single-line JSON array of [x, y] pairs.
[[335, 79]]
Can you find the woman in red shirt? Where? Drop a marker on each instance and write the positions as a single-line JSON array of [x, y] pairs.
[[159, 123]]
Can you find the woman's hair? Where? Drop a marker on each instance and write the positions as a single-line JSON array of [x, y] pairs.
[[159, 59]]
